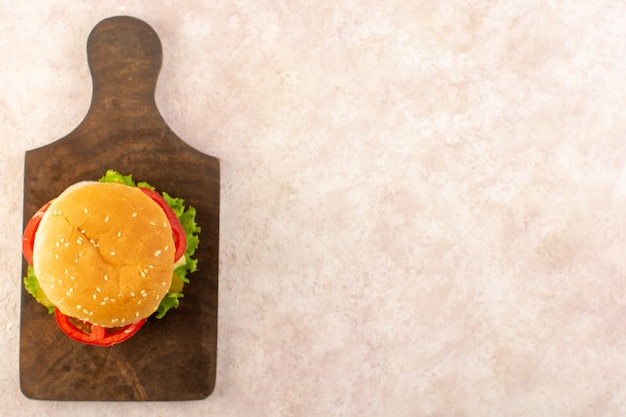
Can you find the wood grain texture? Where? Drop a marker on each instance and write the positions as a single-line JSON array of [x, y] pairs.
[[169, 359]]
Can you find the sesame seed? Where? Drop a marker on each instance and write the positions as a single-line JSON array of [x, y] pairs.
[[51, 285], [163, 283], [106, 277], [78, 306], [56, 256], [106, 298], [151, 266], [143, 274], [106, 219], [66, 271], [166, 248], [79, 241], [115, 320], [112, 253], [98, 289], [60, 282], [83, 231], [164, 224], [85, 210], [137, 314], [157, 253], [153, 223], [72, 277], [132, 294], [68, 293], [62, 240], [66, 244], [85, 311], [123, 321], [58, 244], [71, 290], [76, 260], [139, 302], [134, 214], [157, 296], [112, 300], [119, 234], [103, 303], [94, 296]]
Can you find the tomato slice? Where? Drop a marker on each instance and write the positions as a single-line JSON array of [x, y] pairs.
[[178, 232], [92, 334], [28, 239]]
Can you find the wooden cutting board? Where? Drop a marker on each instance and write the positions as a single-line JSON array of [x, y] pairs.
[[169, 359]]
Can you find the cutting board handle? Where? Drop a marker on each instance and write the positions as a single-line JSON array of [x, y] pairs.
[[125, 57]]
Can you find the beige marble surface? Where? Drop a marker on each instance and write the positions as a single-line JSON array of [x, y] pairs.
[[423, 202]]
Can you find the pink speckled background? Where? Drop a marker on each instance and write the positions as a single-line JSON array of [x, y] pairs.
[[423, 202]]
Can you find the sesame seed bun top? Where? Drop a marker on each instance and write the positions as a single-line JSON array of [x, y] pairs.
[[104, 253]]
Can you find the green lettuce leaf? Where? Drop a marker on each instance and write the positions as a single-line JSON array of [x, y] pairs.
[[187, 218], [114, 176], [169, 301], [32, 286]]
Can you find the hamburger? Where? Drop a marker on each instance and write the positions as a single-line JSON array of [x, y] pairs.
[[105, 255]]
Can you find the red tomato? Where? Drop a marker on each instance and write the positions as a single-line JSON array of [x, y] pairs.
[[178, 232], [28, 239], [92, 334]]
